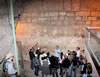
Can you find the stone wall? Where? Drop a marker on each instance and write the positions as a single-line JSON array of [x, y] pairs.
[[48, 23], [56, 22], [6, 39]]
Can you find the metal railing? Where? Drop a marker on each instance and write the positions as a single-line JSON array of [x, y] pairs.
[[93, 45]]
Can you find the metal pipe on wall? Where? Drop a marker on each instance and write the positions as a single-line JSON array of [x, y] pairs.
[[14, 36]]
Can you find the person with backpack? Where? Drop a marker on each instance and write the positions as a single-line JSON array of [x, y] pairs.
[[45, 66], [75, 63], [54, 65], [9, 67], [65, 66], [37, 65]]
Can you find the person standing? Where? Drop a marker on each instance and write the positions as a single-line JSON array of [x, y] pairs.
[[61, 58], [83, 53], [78, 52], [65, 65], [89, 69], [57, 52], [54, 66], [84, 68], [32, 56], [45, 66], [75, 64], [37, 65], [9, 67]]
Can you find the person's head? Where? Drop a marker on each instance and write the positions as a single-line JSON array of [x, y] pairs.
[[74, 53], [57, 47], [83, 51], [84, 61], [66, 56], [78, 48], [31, 49], [10, 56], [61, 53], [68, 51], [48, 54], [38, 48]]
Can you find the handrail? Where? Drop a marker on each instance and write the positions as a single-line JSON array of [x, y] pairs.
[[93, 34], [94, 58], [89, 49]]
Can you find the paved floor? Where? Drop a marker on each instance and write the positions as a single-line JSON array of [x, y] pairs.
[[30, 73]]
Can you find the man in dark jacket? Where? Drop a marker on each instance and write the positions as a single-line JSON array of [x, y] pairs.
[[65, 65], [32, 56], [75, 63], [54, 66]]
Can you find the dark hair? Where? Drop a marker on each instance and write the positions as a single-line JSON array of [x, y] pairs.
[[44, 58], [89, 68], [48, 54], [78, 48], [83, 50], [74, 53], [61, 55]]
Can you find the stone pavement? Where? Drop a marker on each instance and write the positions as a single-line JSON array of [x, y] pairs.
[[30, 73]]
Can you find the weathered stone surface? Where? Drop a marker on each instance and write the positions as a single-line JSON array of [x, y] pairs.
[[55, 5], [92, 18], [41, 19], [70, 14], [75, 5], [88, 22], [46, 14], [67, 5], [34, 20], [53, 13], [28, 19], [70, 18], [62, 13], [78, 18], [96, 22], [90, 5], [83, 13], [52, 22], [6, 38], [52, 18], [95, 13], [89, 18]]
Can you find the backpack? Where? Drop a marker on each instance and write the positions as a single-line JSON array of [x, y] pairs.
[[4, 65], [36, 62]]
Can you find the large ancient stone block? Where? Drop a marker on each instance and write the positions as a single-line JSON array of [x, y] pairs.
[[67, 5], [96, 13], [90, 5], [75, 5], [83, 13]]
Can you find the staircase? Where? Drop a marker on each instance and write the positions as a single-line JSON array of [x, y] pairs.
[[93, 50]]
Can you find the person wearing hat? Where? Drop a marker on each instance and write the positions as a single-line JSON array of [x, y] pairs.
[[10, 68]]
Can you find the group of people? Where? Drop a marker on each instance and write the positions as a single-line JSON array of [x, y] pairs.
[[68, 63]]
